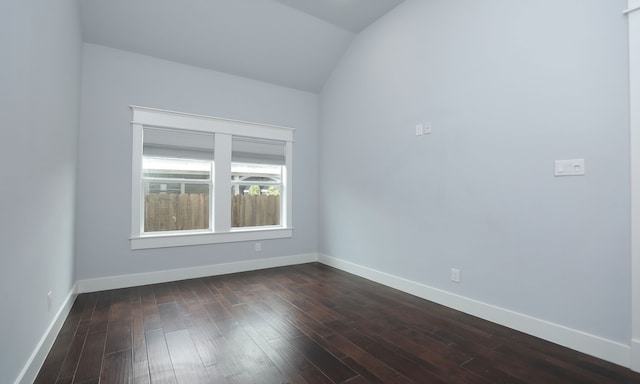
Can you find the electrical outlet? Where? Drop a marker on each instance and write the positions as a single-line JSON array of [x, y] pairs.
[[455, 275], [49, 301], [258, 247]]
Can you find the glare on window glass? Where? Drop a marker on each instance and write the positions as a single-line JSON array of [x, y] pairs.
[[176, 168]]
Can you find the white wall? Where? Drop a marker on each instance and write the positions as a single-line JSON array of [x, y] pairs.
[[112, 81], [39, 106], [509, 87]]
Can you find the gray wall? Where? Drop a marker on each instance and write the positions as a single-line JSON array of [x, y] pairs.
[[112, 80], [509, 87], [39, 106]]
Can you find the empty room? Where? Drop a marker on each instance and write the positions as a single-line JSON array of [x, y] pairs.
[[320, 191]]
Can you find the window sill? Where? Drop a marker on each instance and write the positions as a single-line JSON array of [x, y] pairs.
[[166, 240]]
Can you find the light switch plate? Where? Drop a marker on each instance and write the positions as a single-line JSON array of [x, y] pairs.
[[573, 167], [423, 128]]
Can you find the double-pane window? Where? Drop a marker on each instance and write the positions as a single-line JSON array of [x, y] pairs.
[[209, 180]]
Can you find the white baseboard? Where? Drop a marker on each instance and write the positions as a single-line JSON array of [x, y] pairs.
[[125, 281], [609, 350], [635, 355], [33, 365]]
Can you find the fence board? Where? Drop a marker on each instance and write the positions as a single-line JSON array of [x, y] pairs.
[[258, 210], [170, 212]]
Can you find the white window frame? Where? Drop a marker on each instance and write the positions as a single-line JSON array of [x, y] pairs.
[[220, 205]]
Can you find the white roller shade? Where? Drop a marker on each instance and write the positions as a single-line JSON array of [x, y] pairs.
[[258, 151], [160, 142]]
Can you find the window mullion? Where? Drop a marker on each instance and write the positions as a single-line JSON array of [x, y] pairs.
[[137, 199], [222, 184]]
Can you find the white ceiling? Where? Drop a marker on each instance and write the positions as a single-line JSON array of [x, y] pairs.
[[353, 15], [293, 43]]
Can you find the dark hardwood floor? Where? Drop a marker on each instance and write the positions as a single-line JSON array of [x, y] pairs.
[[300, 324]]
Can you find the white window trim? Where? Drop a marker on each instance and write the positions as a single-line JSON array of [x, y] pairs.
[[224, 129], [633, 12]]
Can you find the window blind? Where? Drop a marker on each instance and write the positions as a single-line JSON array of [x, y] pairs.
[[259, 151], [160, 142]]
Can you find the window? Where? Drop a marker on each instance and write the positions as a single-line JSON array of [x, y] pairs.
[[256, 181], [201, 180]]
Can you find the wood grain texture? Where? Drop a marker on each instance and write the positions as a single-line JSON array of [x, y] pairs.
[[303, 324]]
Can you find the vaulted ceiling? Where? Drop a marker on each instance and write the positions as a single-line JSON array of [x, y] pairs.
[[293, 43]]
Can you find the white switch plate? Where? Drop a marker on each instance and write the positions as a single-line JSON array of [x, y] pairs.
[[573, 167], [423, 128], [258, 247]]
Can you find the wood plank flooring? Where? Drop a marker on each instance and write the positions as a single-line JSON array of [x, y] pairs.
[[301, 324]]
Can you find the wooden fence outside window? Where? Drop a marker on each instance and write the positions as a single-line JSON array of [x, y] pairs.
[[190, 211]]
